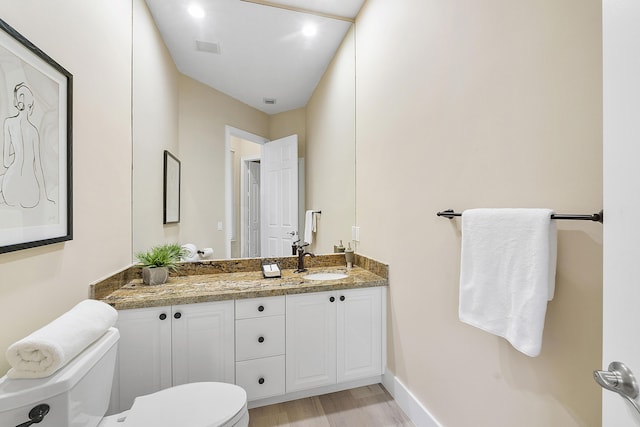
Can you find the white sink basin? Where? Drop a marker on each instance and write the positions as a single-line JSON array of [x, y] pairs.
[[325, 276]]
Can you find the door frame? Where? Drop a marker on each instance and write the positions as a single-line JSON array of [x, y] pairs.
[[228, 178]]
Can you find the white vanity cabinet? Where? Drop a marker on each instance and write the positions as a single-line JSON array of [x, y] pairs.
[[273, 347], [260, 346], [333, 337], [164, 346]]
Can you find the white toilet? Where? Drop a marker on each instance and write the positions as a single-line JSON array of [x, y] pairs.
[[78, 396]]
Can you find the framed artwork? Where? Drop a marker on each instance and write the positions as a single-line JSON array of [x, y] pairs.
[[171, 188], [35, 147]]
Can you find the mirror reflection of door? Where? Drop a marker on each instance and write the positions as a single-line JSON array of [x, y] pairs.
[[264, 204], [279, 203], [251, 215]]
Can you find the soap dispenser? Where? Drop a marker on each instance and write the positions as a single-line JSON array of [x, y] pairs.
[[348, 255], [338, 248]]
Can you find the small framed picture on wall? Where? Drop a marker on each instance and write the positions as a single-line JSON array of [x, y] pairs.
[[171, 188]]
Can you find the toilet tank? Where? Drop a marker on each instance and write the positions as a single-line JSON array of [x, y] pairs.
[[78, 394]]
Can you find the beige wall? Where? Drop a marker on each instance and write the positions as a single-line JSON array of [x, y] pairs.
[[289, 123], [330, 160], [493, 103], [39, 284]]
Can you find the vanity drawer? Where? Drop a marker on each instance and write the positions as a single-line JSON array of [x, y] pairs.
[[259, 337], [260, 307], [261, 377]]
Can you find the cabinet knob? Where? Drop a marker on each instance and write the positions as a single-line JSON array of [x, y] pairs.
[[342, 298], [162, 316], [261, 381], [332, 299], [261, 339], [177, 315], [261, 308]]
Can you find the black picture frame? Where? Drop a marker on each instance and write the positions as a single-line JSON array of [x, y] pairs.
[[171, 189], [36, 199]]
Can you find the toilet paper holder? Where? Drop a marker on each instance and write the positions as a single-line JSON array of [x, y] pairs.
[[205, 252]]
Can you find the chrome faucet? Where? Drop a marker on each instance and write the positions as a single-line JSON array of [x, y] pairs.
[[301, 255]]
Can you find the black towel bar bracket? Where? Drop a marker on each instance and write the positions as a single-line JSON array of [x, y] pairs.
[[596, 217]]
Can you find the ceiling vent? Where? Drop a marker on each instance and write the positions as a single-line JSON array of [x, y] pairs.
[[208, 47], [269, 101]]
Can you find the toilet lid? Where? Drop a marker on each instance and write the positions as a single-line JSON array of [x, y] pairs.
[[206, 404]]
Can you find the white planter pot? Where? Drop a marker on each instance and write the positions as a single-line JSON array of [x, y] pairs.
[[155, 275]]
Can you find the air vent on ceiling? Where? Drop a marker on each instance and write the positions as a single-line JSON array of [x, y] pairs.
[[210, 47], [269, 101]]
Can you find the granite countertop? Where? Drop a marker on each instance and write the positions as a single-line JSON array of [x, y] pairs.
[[189, 289]]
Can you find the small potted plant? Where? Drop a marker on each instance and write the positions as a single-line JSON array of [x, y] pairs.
[[158, 261]]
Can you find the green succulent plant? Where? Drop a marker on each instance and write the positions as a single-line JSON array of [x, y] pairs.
[[167, 255]]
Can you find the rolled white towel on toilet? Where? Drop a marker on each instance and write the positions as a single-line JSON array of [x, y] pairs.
[[48, 349]]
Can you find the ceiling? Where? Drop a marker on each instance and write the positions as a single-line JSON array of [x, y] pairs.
[[254, 52]]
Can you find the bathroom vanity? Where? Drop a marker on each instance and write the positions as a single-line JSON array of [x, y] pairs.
[[279, 338]]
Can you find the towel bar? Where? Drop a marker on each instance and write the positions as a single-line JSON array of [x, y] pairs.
[[596, 217]]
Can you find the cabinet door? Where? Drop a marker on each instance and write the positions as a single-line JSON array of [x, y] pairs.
[[202, 342], [144, 353], [359, 329], [311, 340]]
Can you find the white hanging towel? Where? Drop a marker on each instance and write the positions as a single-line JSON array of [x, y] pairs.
[[507, 273], [309, 226]]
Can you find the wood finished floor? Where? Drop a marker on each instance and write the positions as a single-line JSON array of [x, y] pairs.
[[364, 406]]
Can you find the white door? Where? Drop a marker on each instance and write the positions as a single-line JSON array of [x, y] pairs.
[[254, 209], [310, 340], [202, 342], [279, 186], [359, 329], [621, 150]]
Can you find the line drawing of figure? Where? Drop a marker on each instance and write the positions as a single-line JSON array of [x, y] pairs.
[[23, 183]]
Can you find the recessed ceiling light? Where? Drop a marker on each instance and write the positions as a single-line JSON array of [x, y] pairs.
[[309, 30], [196, 11]]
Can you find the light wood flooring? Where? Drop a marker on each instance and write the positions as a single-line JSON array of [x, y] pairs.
[[364, 406]]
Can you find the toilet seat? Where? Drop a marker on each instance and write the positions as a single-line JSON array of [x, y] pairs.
[[206, 404]]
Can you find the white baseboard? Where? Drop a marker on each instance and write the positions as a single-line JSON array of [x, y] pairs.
[[313, 392], [417, 413]]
